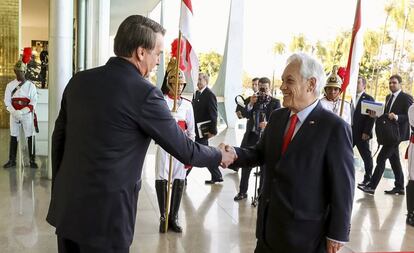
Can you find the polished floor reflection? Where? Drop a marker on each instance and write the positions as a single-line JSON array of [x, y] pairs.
[[212, 221]]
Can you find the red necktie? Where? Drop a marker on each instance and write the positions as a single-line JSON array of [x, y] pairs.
[[289, 133]]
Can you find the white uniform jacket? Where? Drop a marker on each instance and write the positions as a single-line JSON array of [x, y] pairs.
[[24, 99], [335, 107], [185, 119]]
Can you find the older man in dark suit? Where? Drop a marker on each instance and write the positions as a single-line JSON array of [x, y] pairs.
[[107, 119], [205, 111], [307, 193], [362, 129], [396, 107]]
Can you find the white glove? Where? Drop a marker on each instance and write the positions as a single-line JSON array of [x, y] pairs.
[[17, 115], [10, 109], [25, 110]]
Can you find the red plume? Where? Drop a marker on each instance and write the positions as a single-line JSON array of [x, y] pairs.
[[341, 72], [174, 47], [27, 54]]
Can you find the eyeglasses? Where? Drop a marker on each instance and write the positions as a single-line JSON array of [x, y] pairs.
[[393, 82]]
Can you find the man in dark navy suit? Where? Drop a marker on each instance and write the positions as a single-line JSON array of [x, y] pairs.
[[308, 187], [396, 107], [362, 129], [107, 119], [205, 110]]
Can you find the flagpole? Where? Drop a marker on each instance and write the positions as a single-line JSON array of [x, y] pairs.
[[174, 110], [349, 65]]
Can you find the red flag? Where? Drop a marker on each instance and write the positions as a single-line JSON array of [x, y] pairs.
[[191, 60], [355, 53]]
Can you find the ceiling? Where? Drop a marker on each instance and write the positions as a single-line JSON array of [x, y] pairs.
[[120, 9], [35, 13]]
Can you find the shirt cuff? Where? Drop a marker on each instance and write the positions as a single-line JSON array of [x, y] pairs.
[[335, 240], [396, 117], [249, 107]]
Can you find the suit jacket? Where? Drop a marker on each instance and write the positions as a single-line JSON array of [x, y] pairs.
[[400, 107], [107, 119], [205, 108], [308, 192], [361, 124], [251, 137]]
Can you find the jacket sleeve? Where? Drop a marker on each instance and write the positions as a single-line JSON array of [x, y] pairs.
[[408, 101], [212, 111], [341, 181], [156, 121], [58, 139]]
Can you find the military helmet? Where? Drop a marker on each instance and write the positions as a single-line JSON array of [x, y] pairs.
[[334, 80], [20, 66], [170, 76], [171, 72]]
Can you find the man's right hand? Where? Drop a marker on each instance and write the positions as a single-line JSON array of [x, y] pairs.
[[372, 114], [228, 155], [17, 115]]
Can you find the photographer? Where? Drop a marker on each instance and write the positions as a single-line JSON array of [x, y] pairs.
[[257, 111]]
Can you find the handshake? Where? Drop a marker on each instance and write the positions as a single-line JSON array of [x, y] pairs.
[[228, 155]]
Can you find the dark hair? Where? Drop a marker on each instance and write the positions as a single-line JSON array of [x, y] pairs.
[[264, 80], [364, 81], [398, 77], [255, 79], [136, 31]]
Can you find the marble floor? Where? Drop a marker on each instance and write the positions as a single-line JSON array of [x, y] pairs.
[[212, 221]]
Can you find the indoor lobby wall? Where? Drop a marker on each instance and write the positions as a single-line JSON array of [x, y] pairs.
[[9, 43]]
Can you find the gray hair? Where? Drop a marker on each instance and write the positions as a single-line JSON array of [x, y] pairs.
[[310, 67], [204, 76]]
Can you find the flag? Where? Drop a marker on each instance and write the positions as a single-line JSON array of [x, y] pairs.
[[191, 60], [355, 53]]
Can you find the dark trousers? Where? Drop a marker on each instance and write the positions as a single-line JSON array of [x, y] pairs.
[[245, 175], [365, 152], [68, 246], [214, 171], [392, 153]]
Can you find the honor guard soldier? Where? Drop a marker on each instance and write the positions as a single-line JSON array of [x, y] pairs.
[[331, 100], [20, 99], [185, 120]]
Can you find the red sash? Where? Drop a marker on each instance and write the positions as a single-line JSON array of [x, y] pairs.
[[20, 103]]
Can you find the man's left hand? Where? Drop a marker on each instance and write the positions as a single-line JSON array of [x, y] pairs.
[[392, 116], [365, 137], [209, 135], [262, 125], [332, 246]]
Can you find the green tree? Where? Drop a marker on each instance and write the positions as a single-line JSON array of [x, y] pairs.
[[299, 43], [210, 64], [279, 48]]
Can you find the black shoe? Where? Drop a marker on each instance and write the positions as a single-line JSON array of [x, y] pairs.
[[240, 196], [395, 191], [9, 164], [213, 181], [364, 183], [367, 189], [410, 219], [162, 225]]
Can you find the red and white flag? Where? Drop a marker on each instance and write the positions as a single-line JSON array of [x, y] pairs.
[[355, 54], [186, 17]]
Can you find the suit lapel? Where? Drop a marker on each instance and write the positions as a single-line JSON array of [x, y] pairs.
[[277, 134], [311, 124]]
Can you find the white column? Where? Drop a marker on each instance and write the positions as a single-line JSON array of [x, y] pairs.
[[229, 80], [97, 32], [161, 66], [60, 59]]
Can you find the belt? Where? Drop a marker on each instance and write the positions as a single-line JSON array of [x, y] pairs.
[[19, 102]]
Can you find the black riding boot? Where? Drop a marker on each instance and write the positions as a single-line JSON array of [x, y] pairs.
[[32, 152], [12, 153], [410, 202], [161, 189], [177, 193]]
